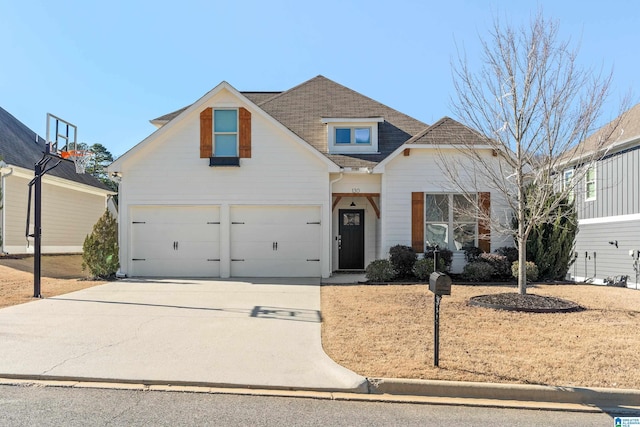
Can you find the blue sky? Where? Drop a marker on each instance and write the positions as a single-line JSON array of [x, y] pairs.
[[110, 67]]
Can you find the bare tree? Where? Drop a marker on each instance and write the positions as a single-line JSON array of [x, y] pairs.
[[531, 104]]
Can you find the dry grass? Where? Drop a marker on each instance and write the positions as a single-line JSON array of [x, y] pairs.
[[387, 331], [60, 275]]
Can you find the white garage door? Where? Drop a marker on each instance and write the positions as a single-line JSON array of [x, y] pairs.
[[175, 241], [275, 241]]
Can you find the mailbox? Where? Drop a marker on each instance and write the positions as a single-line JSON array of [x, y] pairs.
[[440, 283]]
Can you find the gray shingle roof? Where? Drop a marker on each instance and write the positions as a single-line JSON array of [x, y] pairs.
[[22, 147], [625, 127], [447, 131], [301, 109], [628, 128]]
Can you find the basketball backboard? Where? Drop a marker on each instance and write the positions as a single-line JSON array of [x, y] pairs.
[[62, 141]]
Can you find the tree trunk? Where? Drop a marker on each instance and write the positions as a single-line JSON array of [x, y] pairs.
[[522, 263], [522, 238]]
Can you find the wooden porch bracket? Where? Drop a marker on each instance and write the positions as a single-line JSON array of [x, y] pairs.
[[368, 196], [375, 207], [335, 202]]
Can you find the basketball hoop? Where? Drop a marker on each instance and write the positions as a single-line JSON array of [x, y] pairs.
[[79, 157]]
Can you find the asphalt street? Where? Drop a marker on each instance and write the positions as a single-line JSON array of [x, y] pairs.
[[56, 406]]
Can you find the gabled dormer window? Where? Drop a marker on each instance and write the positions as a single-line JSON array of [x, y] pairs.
[[352, 135]]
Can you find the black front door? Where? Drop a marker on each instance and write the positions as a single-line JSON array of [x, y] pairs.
[[351, 247]]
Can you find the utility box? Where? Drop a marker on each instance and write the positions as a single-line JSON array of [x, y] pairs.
[[440, 283]]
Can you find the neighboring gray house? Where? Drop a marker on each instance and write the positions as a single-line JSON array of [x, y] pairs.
[[71, 203], [608, 207]]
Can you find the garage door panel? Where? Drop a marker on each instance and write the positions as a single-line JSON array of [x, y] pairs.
[[176, 241], [275, 241]]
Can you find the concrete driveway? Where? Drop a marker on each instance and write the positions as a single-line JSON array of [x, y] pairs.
[[245, 333]]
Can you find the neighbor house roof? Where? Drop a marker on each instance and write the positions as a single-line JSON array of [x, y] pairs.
[[302, 108], [22, 147], [626, 132]]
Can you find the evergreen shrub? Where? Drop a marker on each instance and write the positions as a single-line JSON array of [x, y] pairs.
[[531, 267], [380, 270], [478, 271], [402, 258], [100, 248]]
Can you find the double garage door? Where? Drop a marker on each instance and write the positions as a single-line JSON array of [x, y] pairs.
[[259, 241]]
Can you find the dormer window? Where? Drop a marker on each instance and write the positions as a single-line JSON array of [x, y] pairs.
[[350, 135], [353, 136]]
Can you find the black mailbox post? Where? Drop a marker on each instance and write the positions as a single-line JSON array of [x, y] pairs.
[[439, 284]]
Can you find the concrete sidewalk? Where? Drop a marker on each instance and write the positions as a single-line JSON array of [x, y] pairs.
[[242, 333]]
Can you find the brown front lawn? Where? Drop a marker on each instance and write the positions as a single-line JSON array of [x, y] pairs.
[[60, 275], [387, 331]]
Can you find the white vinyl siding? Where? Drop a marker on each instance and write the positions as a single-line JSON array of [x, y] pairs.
[[421, 172], [281, 171], [68, 216]]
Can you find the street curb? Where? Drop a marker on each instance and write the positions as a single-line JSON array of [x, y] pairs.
[[390, 390], [603, 398]]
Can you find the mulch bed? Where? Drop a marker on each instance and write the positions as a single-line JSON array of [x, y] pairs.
[[530, 303]]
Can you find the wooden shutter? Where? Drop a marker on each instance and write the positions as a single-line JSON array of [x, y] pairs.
[[206, 133], [245, 133], [484, 229], [417, 221]]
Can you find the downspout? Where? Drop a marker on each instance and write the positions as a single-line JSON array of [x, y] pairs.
[[4, 191], [331, 216]]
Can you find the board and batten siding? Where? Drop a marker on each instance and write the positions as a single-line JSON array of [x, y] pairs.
[[614, 216], [68, 216], [170, 171], [420, 172], [617, 187]]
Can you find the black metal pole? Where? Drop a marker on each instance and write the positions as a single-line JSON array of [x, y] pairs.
[[37, 230], [436, 330]]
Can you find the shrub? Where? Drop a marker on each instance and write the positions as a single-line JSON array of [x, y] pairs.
[[402, 258], [100, 248], [380, 270], [423, 268], [500, 264], [472, 253], [478, 271], [510, 252], [444, 254], [550, 244], [532, 270]]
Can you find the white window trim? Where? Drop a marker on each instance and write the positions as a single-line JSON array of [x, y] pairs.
[[586, 186], [567, 176], [236, 133], [371, 148], [450, 222]]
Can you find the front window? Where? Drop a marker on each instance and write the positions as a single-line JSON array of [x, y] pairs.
[[450, 221], [590, 184], [225, 133]]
